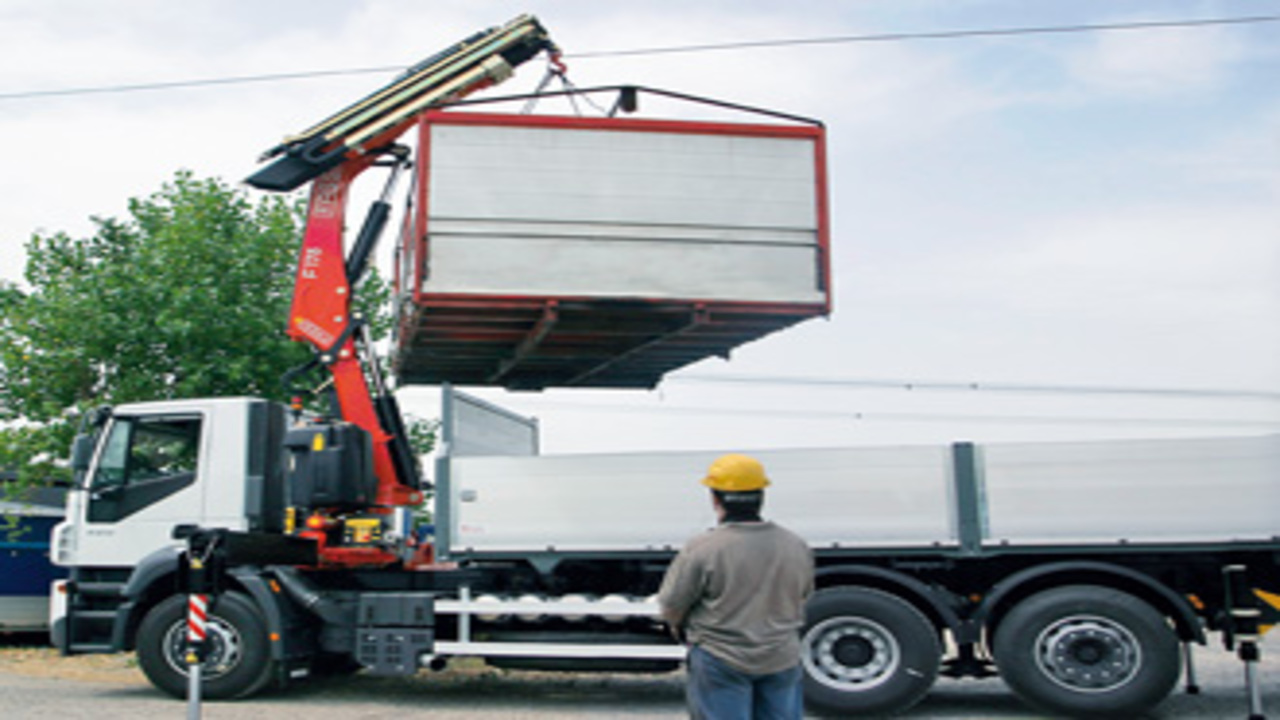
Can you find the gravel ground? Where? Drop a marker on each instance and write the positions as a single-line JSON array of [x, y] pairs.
[[36, 682]]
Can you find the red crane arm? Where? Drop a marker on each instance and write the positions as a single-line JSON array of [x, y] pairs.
[[321, 315], [331, 155]]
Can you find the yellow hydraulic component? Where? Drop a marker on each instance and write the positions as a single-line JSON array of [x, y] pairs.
[[361, 531]]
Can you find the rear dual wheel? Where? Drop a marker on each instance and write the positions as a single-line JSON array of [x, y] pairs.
[[866, 651], [1087, 651]]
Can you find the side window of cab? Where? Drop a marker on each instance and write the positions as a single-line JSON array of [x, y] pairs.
[[143, 461]]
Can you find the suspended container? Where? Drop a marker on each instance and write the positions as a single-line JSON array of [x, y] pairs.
[[547, 251]]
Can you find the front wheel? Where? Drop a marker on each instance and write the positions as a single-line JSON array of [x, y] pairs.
[[237, 655], [1087, 651], [866, 651]]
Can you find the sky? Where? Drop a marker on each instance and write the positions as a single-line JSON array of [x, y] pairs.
[[1022, 225]]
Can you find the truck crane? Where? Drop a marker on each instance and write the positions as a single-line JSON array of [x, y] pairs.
[[1081, 573], [290, 512], [331, 155]]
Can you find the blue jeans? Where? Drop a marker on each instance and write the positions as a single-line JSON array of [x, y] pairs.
[[716, 691]]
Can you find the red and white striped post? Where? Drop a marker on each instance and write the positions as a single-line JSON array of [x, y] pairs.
[[197, 633]]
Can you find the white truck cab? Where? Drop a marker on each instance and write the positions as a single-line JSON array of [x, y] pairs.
[[155, 467], [148, 468]]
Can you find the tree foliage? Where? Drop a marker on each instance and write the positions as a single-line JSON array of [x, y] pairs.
[[187, 297]]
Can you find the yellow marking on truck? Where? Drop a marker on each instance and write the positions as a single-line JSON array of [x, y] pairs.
[[1271, 599], [317, 442]]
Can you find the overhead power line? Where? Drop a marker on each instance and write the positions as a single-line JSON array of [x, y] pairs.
[[206, 82], [974, 386], [667, 50], [940, 35]]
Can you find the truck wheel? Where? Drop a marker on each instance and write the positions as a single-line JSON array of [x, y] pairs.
[[238, 658], [1087, 651], [866, 651]]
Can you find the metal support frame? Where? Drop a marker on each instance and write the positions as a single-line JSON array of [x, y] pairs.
[[1243, 616], [1188, 660], [970, 510], [698, 317], [628, 101], [200, 579], [197, 629], [550, 316], [467, 607]]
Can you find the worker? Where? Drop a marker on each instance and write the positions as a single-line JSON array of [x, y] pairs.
[[736, 596]]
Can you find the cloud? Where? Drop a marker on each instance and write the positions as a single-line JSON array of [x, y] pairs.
[[1015, 209], [1241, 158], [1143, 295], [1168, 61]]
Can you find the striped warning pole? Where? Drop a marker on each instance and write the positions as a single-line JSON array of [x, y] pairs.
[[197, 632]]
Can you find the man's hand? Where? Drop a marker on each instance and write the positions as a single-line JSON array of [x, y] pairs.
[[675, 623]]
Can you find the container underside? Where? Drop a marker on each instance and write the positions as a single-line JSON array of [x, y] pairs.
[[531, 344]]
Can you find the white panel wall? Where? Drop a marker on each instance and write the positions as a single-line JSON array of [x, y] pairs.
[[1210, 490], [849, 497], [552, 211], [477, 427]]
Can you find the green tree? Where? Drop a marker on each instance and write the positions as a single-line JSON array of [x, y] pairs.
[[186, 298]]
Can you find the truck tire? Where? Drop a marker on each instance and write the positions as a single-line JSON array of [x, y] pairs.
[[1087, 651], [866, 651], [238, 660]]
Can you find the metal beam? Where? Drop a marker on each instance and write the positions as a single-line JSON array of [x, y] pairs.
[[531, 341]]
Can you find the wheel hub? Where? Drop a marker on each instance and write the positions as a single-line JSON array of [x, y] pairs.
[[850, 654], [1088, 653], [222, 651], [854, 651]]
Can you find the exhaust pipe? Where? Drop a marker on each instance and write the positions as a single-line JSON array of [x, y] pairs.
[[305, 594], [435, 663]]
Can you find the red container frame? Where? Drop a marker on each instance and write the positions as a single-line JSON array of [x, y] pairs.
[[538, 341]]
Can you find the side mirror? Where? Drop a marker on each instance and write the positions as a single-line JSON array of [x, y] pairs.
[[82, 452]]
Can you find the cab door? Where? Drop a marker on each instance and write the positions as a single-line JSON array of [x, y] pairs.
[[144, 483]]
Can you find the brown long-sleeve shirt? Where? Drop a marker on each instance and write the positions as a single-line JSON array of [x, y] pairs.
[[739, 592]]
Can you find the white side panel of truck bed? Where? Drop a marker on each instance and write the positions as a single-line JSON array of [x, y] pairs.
[[570, 503], [1200, 490], [472, 426]]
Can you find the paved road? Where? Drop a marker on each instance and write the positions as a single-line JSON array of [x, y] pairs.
[[486, 694]]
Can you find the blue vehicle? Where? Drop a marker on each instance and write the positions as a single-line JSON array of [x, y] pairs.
[[26, 519]]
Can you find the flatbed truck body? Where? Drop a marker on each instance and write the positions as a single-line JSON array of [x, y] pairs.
[[1032, 560]]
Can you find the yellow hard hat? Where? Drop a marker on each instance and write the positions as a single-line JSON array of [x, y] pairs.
[[736, 473]]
